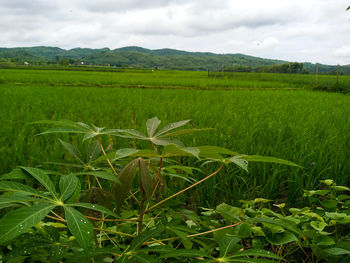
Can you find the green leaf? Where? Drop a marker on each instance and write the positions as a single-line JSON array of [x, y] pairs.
[[61, 130], [43, 178], [172, 126], [255, 253], [176, 150], [188, 253], [21, 188], [126, 152], [72, 150], [324, 241], [102, 174], [214, 152], [227, 242], [336, 251], [94, 150], [53, 232], [280, 238], [68, 185], [282, 223], [146, 235], [126, 177], [244, 230], [79, 226], [19, 221], [239, 162], [152, 125], [318, 225], [16, 199], [181, 132], [267, 159], [340, 188], [146, 179], [130, 133], [16, 173], [95, 207]]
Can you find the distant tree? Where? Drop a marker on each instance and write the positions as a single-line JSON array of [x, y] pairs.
[[64, 62]]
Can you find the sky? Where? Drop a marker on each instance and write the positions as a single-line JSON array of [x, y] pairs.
[[292, 30]]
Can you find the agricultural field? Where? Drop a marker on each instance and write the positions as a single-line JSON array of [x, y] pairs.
[[278, 115], [307, 127]]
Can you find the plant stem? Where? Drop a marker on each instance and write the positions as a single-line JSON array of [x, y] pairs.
[[214, 230], [156, 182], [104, 153], [187, 188]]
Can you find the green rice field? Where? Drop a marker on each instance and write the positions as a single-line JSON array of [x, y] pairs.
[[266, 114]]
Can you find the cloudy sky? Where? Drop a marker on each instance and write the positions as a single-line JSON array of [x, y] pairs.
[[294, 30]]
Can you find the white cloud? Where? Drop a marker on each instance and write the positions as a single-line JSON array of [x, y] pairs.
[[315, 30]]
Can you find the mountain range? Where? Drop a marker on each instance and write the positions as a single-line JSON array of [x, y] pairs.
[[138, 57]]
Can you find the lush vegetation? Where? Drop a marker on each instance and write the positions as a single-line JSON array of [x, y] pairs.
[[229, 217], [113, 207], [137, 57]]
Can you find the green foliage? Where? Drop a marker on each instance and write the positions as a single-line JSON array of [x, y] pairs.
[[51, 222]]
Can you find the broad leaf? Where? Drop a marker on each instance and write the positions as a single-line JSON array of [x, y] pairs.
[[16, 199], [19, 221], [95, 207], [126, 177], [21, 188], [137, 242], [102, 174], [255, 253], [126, 152], [146, 179], [188, 253], [181, 132], [239, 162], [176, 150], [172, 126], [79, 226], [72, 150], [16, 173], [267, 159], [94, 150], [152, 125], [43, 178], [68, 185]]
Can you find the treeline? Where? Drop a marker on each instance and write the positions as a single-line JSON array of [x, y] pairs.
[[141, 58]]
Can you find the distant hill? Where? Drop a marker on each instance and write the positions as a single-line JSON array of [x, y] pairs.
[[138, 57]]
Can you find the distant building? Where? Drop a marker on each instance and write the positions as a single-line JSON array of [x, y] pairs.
[[26, 63], [82, 63]]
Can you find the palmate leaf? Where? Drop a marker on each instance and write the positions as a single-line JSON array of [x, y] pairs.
[[267, 159], [72, 150], [79, 226], [19, 221], [95, 207], [102, 174], [188, 253], [16, 173], [176, 150], [172, 126], [20, 188], [68, 185], [94, 150], [8, 199], [255, 253], [152, 125], [43, 178]]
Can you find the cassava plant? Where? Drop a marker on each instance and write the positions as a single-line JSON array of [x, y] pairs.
[[112, 201]]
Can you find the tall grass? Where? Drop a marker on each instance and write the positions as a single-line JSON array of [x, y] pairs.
[[309, 128]]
